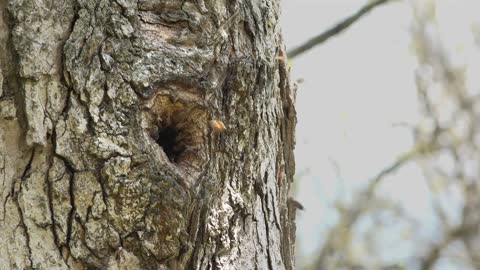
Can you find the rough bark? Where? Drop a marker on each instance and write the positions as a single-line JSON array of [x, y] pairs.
[[107, 159]]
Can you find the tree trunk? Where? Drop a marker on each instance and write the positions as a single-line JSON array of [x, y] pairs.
[[149, 134]]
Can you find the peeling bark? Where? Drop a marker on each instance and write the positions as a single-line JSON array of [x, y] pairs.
[[107, 158]]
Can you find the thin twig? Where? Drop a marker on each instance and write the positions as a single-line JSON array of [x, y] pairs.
[[338, 28], [349, 216]]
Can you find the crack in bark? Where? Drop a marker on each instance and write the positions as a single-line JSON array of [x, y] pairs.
[[27, 235], [84, 241], [71, 171], [258, 241], [267, 227], [98, 177], [2, 169], [26, 171], [5, 206], [72, 205], [25, 175], [50, 204], [275, 214]]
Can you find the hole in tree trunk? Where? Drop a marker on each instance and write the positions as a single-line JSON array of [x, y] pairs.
[[168, 139], [178, 128]]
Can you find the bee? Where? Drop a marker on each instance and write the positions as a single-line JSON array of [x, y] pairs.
[[217, 126]]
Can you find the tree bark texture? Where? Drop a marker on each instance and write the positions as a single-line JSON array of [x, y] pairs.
[[107, 158]]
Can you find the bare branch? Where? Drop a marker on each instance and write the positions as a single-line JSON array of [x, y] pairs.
[[338, 28], [429, 260], [349, 216]]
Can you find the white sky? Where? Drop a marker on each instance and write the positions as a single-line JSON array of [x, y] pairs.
[[356, 88]]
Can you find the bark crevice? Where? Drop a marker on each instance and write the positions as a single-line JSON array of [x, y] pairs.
[[25, 175]]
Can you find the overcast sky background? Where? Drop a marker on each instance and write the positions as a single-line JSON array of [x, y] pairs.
[[357, 88]]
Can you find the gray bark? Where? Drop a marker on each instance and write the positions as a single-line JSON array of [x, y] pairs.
[[107, 158]]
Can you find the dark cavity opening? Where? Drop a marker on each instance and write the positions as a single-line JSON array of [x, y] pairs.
[[168, 140]]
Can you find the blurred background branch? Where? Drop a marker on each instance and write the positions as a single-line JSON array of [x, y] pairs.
[[338, 238], [336, 29]]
